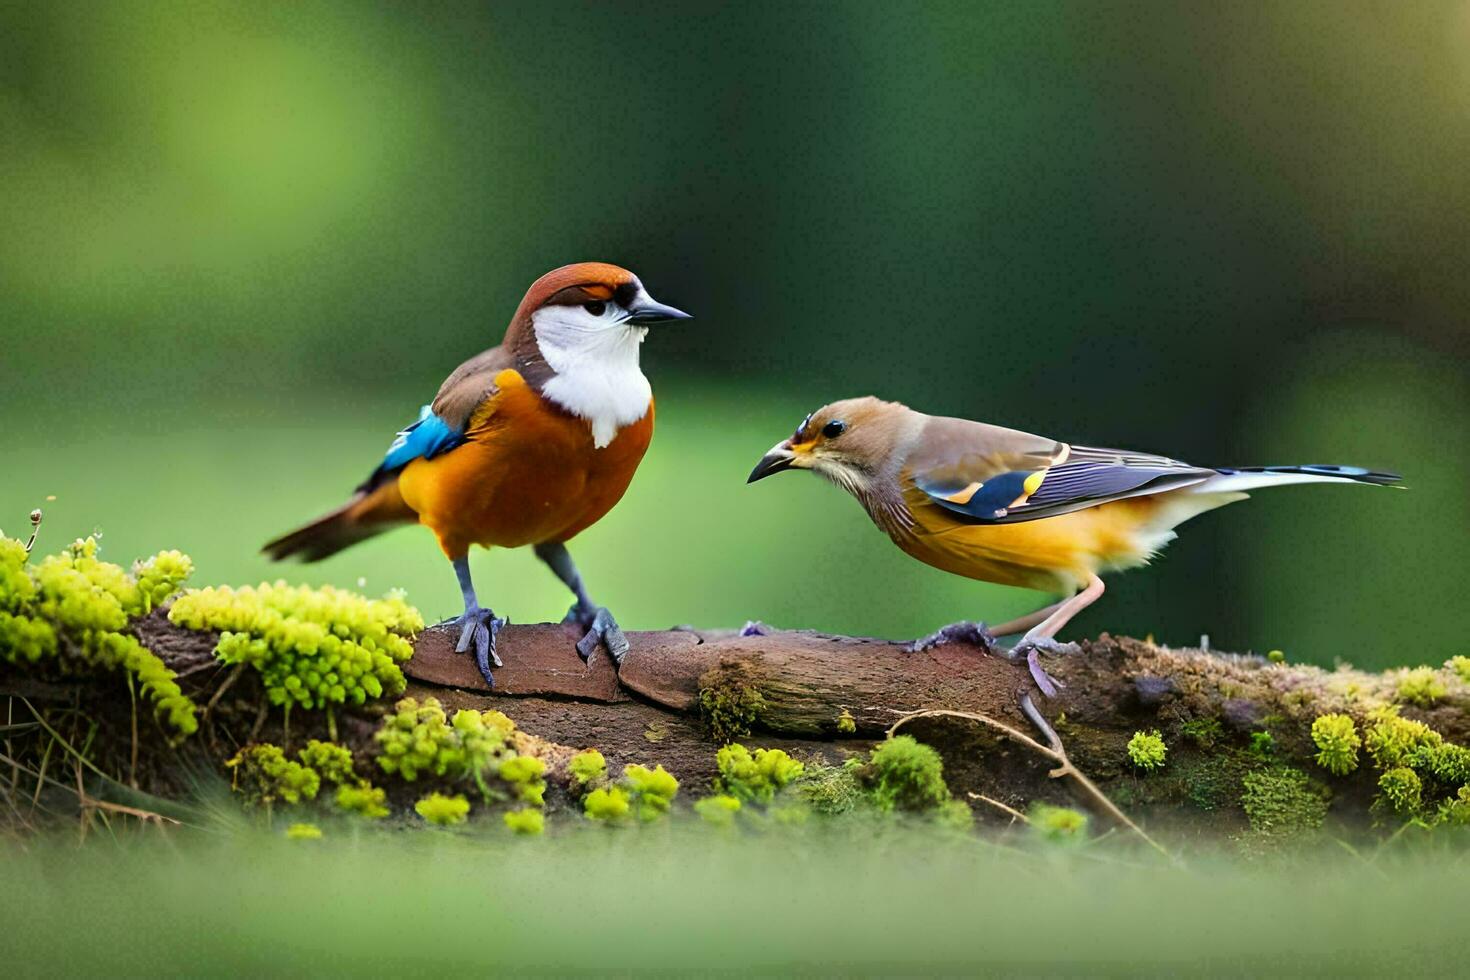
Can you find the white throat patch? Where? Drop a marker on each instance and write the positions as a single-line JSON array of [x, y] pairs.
[[596, 363]]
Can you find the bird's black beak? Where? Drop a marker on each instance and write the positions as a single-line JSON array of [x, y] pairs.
[[644, 311], [779, 458]]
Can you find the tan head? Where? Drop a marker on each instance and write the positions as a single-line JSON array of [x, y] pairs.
[[852, 443]]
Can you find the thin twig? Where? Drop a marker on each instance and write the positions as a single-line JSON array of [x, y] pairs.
[[1005, 808], [1056, 753], [225, 686]]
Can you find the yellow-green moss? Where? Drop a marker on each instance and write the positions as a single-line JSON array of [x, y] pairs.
[[303, 831], [363, 799], [1460, 666], [588, 767], [1390, 739], [1147, 751], [442, 810], [1401, 790], [1058, 824], [332, 762], [719, 809], [1204, 732], [312, 647], [419, 740], [652, 789], [71, 611], [730, 701], [529, 821], [905, 774], [831, 790], [1282, 803], [263, 774], [757, 777], [1421, 685], [1337, 741], [846, 723], [607, 803]]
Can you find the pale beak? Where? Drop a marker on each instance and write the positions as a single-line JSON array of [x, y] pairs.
[[645, 310], [779, 458]]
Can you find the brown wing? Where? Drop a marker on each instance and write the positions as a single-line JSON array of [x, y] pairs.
[[470, 384]]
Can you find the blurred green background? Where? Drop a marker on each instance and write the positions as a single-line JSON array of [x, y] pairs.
[[240, 244]]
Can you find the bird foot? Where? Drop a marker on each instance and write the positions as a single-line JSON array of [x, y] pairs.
[[1033, 649], [967, 631], [480, 629], [600, 627]]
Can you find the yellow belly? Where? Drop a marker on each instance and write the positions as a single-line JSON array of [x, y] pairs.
[[1055, 554]]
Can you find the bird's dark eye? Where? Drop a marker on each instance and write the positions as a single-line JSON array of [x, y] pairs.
[[597, 307], [834, 428]]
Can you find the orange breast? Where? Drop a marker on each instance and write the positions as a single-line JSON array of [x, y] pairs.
[[528, 473], [1053, 554]]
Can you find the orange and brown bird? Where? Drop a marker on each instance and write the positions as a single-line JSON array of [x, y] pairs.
[[527, 443], [1009, 507]]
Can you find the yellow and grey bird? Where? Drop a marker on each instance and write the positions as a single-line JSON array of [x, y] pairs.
[[1013, 508]]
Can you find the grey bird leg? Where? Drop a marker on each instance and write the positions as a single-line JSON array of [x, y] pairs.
[[595, 619], [480, 626], [1040, 638]]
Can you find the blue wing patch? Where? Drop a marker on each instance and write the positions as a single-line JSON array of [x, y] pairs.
[[428, 437], [986, 502]]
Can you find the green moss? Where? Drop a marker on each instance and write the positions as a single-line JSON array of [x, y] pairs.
[[1262, 744], [1421, 685], [588, 767], [445, 811], [70, 613], [719, 809], [1057, 824], [846, 724], [1147, 751], [830, 790], [332, 762], [1204, 732], [905, 774], [1282, 803], [730, 702], [1337, 741], [1401, 791], [1460, 666], [1390, 740], [652, 789], [263, 774], [419, 740], [529, 821], [1276, 657], [523, 774], [608, 803], [758, 777], [303, 831], [1446, 762], [312, 647], [363, 799]]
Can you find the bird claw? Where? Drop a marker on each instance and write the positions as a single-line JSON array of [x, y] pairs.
[[1048, 685], [480, 628], [600, 627], [967, 631]]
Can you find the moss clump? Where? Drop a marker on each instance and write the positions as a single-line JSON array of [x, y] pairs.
[[363, 799], [846, 723], [653, 790], [606, 803], [264, 775], [1390, 740], [1400, 791], [332, 762], [303, 831], [758, 777], [719, 809], [419, 740], [905, 774], [1057, 824], [1446, 762], [71, 613], [588, 767], [830, 790], [1282, 803], [523, 774], [313, 647], [730, 701], [1204, 732], [529, 821], [445, 811], [1460, 666], [1262, 744], [1337, 741], [1421, 685], [1147, 751]]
